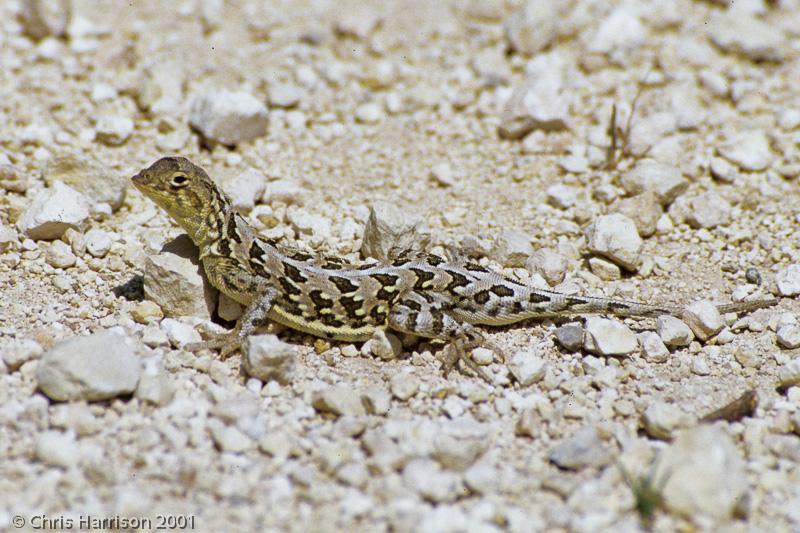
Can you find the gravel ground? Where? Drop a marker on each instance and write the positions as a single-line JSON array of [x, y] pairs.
[[479, 126]]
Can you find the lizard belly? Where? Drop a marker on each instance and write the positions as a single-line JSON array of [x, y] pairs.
[[344, 332]]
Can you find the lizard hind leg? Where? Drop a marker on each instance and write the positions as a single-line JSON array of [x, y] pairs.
[[419, 317], [254, 316]]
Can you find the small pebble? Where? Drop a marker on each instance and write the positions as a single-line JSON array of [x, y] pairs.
[[608, 337], [673, 331], [615, 237]]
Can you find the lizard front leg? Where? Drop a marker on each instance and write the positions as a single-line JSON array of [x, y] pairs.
[[254, 316], [419, 317]]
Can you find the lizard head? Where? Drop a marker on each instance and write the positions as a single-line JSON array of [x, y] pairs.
[[180, 188]]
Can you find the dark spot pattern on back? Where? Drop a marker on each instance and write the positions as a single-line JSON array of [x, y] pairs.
[[259, 269], [386, 280], [536, 298], [423, 276], [298, 255], [434, 260], [320, 300], [502, 291], [458, 280], [474, 267], [617, 306], [289, 287], [481, 297], [331, 320], [294, 273], [378, 314], [351, 306], [344, 285], [411, 320], [516, 307], [574, 301], [233, 232], [437, 319], [256, 252], [411, 304]]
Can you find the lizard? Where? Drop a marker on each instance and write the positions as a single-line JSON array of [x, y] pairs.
[[422, 295]]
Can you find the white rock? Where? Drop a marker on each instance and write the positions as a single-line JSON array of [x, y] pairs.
[[653, 348], [615, 237], [704, 319], [491, 66], [113, 129], [749, 36], [702, 474], [608, 337], [620, 31], [723, 171], [98, 242], [482, 356], [532, 27], [562, 196], [369, 113], [404, 385], [230, 438], [57, 448], [426, 478], [95, 367], [661, 420], [749, 149], [390, 229], [788, 337], [178, 333], [644, 209], [161, 83], [266, 357], [788, 280], [551, 265], [174, 280], [511, 248], [539, 103], [527, 367], [245, 188], [53, 211], [673, 331], [605, 270], [59, 255], [377, 401], [16, 352], [442, 174], [708, 210], [283, 190], [700, 366], [154, 385], [357, 22], [339, 400], [570, 336], [102, 92], [305, 223], [385, 345], [583, 449], [97, 182], [665, 181], [229, 117], [283, 95]]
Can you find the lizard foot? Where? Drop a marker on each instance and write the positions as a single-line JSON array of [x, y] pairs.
[[455, 352], [227, 344]]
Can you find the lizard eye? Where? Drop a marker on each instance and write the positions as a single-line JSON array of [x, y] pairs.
[[178, 181]]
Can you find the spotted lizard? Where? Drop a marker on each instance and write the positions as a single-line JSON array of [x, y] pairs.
[[422, 295]]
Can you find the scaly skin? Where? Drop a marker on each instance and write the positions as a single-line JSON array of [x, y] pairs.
[[424, 296]]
